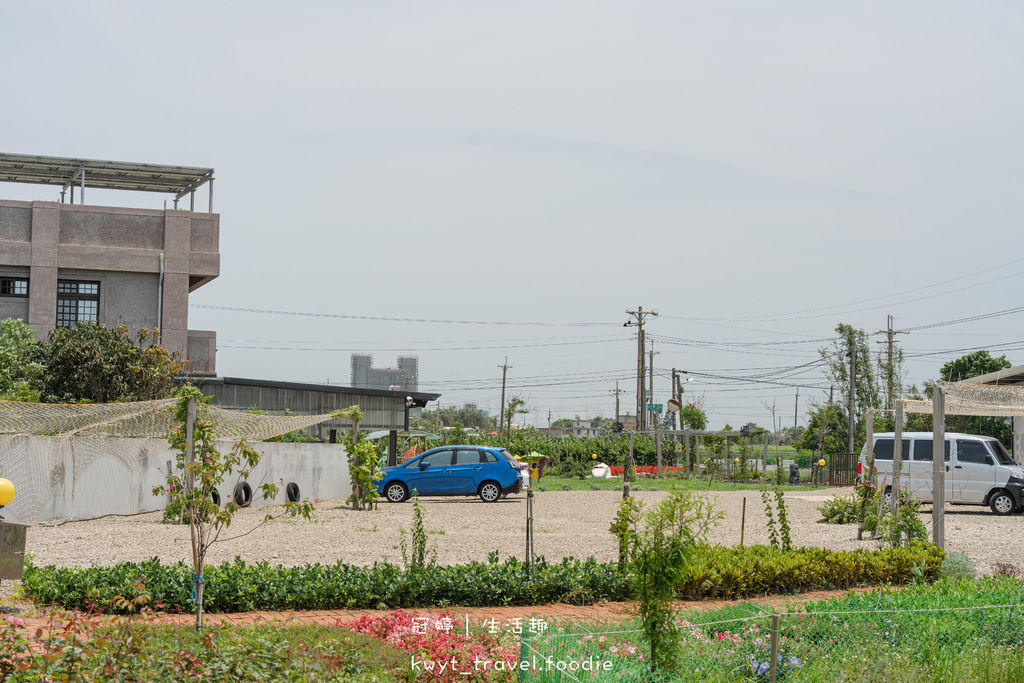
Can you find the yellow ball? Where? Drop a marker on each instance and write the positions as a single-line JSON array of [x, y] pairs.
[[594, 456], [6, 492], [737, 461], [821, 463]]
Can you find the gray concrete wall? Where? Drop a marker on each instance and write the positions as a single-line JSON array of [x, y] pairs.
[[58, 478], [121, 248]]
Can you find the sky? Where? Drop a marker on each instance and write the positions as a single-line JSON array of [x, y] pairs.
[[507, 179]]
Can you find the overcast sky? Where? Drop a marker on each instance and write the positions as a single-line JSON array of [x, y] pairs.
[[755, 172]]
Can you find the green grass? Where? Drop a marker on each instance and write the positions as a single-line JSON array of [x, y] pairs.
[[555, 483], [965, 631]]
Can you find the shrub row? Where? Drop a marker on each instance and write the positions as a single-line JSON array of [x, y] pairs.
[[713, 572]]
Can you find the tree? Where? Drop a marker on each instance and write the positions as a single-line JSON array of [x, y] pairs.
[[837, 370], [201, 468], [516, 406], [90, 363], [20, 364], [972, 365], [363, 461]]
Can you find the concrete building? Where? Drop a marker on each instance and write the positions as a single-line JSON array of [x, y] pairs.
[[405, 376], [61, 263]]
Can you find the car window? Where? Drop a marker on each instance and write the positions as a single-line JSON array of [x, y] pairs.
[[466, 456], [487, 456], [439, 458], [883, 449], [972, 452], [1002, 457], [923, 449], [511, 458]]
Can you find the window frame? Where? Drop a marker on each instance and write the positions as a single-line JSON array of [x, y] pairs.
[[78, 297], [12, 280]]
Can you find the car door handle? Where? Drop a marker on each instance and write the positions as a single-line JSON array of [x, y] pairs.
[[957, 467], [479, 468], [947, 468]]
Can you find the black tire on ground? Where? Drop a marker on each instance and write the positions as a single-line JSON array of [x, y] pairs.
[[489, 492], [396, 492], [291, 492], [1002, 503]]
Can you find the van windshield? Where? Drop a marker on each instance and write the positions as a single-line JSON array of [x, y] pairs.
[[1002, 457]]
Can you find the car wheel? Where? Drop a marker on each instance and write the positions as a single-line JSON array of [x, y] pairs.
[[396, 492], [1002, 503], [489, 492]]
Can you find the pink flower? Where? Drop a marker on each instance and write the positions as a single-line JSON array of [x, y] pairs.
[[18, 623]]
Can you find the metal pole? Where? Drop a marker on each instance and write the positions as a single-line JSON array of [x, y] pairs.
[[773, 674], [938, 466], [657, 441], [625, 468], [192, 200], [869, 474], [897, 458], [211, 195], [852, 423], [82, 198], [190, 425]]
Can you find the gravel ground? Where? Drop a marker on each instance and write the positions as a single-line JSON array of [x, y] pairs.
[[567, 523]]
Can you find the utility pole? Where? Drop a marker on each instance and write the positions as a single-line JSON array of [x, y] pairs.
[[653, 354], [796, 411], [637, 319], [850, 403], [501, 415], [890, 369], [617, 391]]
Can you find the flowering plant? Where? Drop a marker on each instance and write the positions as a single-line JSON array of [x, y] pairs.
[[438, 650]]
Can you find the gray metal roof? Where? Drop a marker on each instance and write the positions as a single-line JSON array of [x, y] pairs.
[[116, 175], [1012, 376]]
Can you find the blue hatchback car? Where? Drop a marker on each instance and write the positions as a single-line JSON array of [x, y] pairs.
[[454, 471]]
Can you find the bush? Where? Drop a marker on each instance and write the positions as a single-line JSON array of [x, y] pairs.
[[957, 566], [841, 509], [712, 572]]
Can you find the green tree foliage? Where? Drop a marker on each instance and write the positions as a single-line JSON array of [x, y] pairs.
[[363, 461], [693, 417], [516, 406], [468, 416], [90, 363], [972, 365], [21, 366], [826, 430]]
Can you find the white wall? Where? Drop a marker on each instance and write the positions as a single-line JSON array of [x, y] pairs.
[[56, 477]]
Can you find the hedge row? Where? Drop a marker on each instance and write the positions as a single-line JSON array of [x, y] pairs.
[[713, 572]]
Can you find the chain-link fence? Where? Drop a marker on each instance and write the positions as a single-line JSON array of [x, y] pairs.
[[961, 644]]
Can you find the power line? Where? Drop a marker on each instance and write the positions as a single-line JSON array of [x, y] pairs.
[[341, 316]]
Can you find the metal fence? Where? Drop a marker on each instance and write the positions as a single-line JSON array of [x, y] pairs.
[[842, 469], [951, 644]]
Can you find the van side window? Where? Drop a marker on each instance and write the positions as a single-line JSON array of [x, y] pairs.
[[972, 451], [923, 449], [883, 449]]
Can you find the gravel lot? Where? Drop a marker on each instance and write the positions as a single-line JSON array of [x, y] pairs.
[[567, 523]]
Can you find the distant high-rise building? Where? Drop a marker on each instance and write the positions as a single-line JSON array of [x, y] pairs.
[[405, 377]]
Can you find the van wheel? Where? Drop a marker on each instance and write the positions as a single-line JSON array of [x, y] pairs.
[[887, 498], [1002, 503]]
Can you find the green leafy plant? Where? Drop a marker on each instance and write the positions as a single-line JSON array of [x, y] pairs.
[[841, 509], [660, 554], [420, 558], [956, 565], [624, 527], [201, 468], [363, 462], [177, 510], [905, 528], [778, 530]]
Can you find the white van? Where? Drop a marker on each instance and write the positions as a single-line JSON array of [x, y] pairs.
[[979, 471]]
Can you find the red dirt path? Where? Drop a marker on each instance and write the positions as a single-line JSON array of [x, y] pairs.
[[608, 611]]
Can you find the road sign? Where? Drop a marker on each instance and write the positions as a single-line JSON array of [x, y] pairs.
[[654, 407]]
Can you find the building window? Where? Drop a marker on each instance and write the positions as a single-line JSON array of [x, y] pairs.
[[13, 286], [77, 302]]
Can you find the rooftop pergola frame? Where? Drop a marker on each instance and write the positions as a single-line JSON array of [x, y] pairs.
[[948, 398], [67, 172]]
